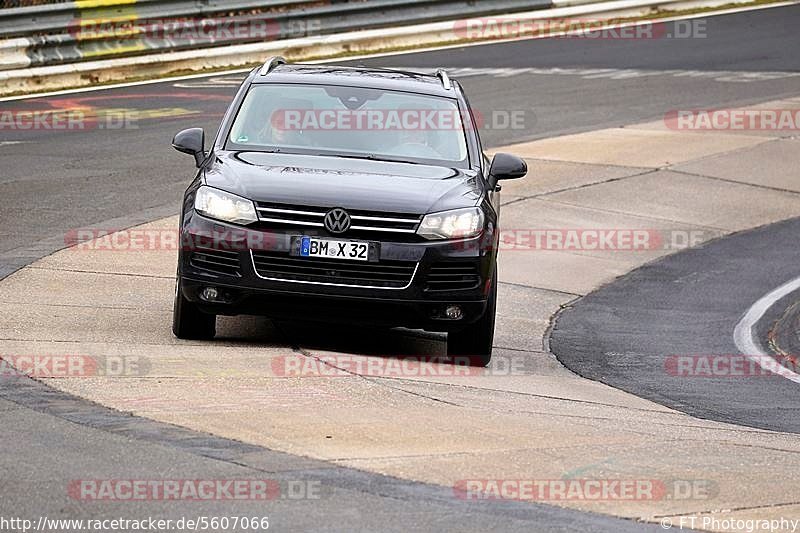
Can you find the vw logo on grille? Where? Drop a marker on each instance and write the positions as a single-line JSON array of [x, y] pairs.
[[337, 220]]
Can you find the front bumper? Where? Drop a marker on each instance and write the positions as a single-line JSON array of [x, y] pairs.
[[242, 288]]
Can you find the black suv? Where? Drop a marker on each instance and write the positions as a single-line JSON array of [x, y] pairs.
[[357, 195]]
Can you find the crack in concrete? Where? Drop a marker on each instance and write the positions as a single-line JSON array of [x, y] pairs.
[[544, 289], [734, 182], [729, 509], [586, 185], [632, 215], [79, 271], [107, 307]]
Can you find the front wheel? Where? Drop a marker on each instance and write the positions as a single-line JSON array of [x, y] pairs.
[[188, 321], [475, 342]]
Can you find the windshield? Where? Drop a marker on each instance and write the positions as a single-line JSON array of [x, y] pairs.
[[350, 122]]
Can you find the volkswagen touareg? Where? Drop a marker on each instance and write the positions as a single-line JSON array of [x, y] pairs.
[[346, 195]]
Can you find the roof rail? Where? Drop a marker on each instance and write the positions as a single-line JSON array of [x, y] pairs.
[[446, 83], [271, 63]]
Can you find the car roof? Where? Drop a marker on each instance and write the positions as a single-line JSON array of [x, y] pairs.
[[369, 77]]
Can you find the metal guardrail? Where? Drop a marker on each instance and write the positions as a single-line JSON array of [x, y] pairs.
[[26, 3], [81, 30]]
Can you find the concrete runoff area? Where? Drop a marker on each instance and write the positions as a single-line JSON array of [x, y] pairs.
[[537, 421]]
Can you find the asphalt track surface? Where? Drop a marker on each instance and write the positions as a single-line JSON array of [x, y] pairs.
[[54, 181], [630, 333]]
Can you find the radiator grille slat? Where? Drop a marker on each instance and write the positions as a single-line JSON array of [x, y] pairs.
[[452, 277], [216, 261], [363, 223], [383, 275]]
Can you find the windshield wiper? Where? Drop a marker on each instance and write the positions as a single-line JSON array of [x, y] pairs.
[[371, 157]]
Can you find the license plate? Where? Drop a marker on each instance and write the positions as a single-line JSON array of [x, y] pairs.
[[331, 249]]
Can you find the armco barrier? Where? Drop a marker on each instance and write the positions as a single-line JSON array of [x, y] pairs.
[[72, 32], [300, 31]]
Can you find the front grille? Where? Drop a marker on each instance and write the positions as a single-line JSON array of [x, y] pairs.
[[216, 261], [383, 275], [288, 216], [453, 277]]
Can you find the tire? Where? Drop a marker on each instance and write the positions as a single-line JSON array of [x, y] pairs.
[[475, 342], [188, 321]]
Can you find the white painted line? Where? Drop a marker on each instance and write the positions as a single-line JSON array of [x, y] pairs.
[[540, 14], [746, 338]]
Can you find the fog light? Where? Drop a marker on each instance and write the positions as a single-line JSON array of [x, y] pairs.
[[454, 312], [210, 294]]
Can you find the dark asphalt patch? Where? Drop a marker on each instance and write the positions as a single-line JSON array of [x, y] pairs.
[[627, 333]]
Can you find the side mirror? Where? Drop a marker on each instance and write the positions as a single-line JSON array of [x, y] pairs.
[[192, 142], [507, 167]]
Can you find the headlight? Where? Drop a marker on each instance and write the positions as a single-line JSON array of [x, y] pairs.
[[456, 224], [225, 206]]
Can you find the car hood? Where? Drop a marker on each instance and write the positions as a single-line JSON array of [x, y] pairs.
[[357, 184]]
